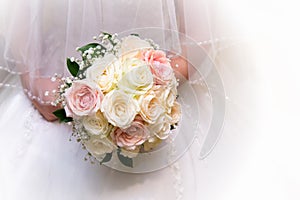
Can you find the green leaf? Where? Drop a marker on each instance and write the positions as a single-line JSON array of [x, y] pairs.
[[73, 67], [125, 160], [61, 115], [106, 158], [172, 127], [86, 47], [135, 34], [108, 34]]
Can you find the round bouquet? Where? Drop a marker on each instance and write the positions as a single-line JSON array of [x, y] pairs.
[[121, 97]]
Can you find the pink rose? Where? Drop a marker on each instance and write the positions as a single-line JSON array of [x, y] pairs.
[[83, 98], [154, 57], [131, 137], [163, 73], [160, 65]]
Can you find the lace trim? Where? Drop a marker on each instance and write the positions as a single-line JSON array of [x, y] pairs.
[[212, 42], [176, 171], [32, 117], [24, 143], [12, 60], [10, 71], [201, 43], [28, 128]]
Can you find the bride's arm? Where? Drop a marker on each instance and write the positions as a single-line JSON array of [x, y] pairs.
[[179, 63], [38, 87]]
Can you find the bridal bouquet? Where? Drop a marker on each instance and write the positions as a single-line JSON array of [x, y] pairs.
[[120, 98]]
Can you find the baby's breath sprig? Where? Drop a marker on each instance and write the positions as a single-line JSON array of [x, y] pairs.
[[153, 44], [110, 42], [64, 84], [105, 43]]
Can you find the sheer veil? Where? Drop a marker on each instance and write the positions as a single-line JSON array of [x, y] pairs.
[[37, 36]]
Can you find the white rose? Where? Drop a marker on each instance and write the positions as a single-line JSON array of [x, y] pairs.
[[98, 146], [175, 113], [105, 72], [110, 77], [173, 84], [119, 108], [138, 80], [130, 63], [151, 143], [97, 125], [161, 128], [170, 97], [150, 107], [132, 43], [166, 94]]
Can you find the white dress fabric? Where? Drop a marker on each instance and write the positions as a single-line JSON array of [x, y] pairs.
[[37, 160]]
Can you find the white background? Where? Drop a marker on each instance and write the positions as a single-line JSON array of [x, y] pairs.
[[258, 156]]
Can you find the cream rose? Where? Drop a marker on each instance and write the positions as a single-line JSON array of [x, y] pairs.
[[166, 94], [173, 84], [132, 43], [97, 125], [98, 146], [130, 63], [170, 97], [150, 107], [138, 80], [119, 108], [151, 143], [161, 128], [175, 113], [132, 136], [83, 98], [105, 72]]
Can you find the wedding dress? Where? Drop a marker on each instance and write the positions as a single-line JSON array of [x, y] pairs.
[[37, 160]]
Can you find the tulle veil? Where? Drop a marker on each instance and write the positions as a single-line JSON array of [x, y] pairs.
[[37, 36]]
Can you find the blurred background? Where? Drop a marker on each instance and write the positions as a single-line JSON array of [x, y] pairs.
[[259, 157]]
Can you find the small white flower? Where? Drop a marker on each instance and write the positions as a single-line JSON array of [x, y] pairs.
[[119, 108]]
